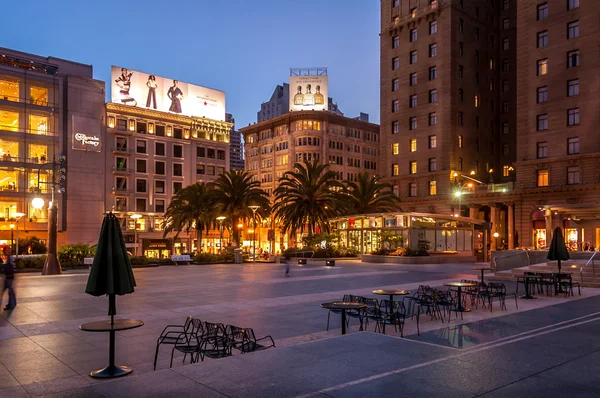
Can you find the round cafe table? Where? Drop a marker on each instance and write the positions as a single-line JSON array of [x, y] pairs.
[[111, 327], [343, 306], [460, 285], [527, 281], [482, 269], [391, 293]]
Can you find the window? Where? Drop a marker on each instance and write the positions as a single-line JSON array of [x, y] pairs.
[[412, 35], [542, 11], [542, 67], [505, 86], [505, 150], [141, 185], [140, 205], [506, 4], [396, 3], [201, 152], [432, 73], [412, 123], [395, 84], [432, 164], [395, 106], [140, 166], [461, 71], [432, 141], [412, 189], [459, 164], [476, 98], [542, 150], [413, 145], [395, 148], [140, 146], [573, 146], [413, 57], [395, 169], [461, 25], [460, 141], [432, 188], [159, 186], [159, 168], [413, 79], [177, 169], [505, 107], [573, 117], [491, 62], [573, 175], [201, 169], [461, 95], [160, 130], [432, 50], [412, 167], [573, 88], [542, 94], [432, 27], [460, 118], [542, 39], [432, 96], [477, 56], [573, 59], [432, 119], [505, 23], [412, 101], [395, 127], [461, 48], [159, 206], [505, 128], [395, 42], [221, 154], [159, 149], [395, 63], [177, 186], [505, 44], [210, 153], [505, 65], [476, 33], [477, 122], [177, 151], [572, 4], [573, 30], [542, 178], [542, 122]]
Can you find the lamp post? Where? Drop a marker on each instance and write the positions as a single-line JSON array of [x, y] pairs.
[[220, 220], [17, 217], [12, 242], [496, 235], [254, 208], [135, 217]]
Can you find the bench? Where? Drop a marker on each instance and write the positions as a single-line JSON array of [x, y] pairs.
[[181, 258]]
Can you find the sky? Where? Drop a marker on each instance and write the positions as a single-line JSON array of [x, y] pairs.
[[242, 47]]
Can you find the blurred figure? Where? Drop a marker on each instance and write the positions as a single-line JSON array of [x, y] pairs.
[[286, 262], [9, 280]]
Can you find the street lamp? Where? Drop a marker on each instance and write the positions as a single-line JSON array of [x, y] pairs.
[[458, 195], [135, 218], [254, 208], [220, 220], [12, 241], [496, 235], [17, 217]]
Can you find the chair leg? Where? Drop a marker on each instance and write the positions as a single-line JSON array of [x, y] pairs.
[[172, 352], [328, 315], [156, 355]]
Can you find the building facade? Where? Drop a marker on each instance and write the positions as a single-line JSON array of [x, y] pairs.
[[236, 148], [482, 114], [273, 146], [46, 104]]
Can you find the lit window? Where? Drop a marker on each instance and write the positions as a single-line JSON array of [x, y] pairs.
[[542, 178], [9, 121], [573, 146], [395, 169], [573, 175], [460, 141], [413, 167], [573, 30], [542, 67], [491, 63], [413, 145], [395, 148], [37, 95], [476, 101], [573, 87], [573, 117], [9, 90], [505, 171], [38, 124], [432, 188], [542, 11], [542, 150], [572, 59]]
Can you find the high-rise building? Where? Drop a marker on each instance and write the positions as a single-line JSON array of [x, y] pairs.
[[236, 151]]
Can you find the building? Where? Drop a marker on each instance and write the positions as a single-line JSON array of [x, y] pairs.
[[48, 107], [279, 104], [273, 146], [482, 115], [236, 148]]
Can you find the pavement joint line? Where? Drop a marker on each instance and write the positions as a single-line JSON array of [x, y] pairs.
[[435, 361]]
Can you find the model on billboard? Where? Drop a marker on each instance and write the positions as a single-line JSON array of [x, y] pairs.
[[151, 84], [299, 97], [124, 83], [319, 99], [309, 98], [175, 95]]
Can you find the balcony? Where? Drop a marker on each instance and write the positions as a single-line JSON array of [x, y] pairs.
[[121, 149], [121, 191], [420, 13], [121, 170]]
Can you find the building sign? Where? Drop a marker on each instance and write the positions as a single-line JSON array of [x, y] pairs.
[[84, 142], [309, 89], [139, 89]]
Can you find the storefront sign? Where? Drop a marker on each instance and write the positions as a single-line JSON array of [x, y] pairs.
[[84, 142]]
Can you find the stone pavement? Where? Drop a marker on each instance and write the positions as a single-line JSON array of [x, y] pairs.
[[42, 352]]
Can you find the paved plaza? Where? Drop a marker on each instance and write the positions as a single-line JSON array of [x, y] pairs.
[[548, 347]]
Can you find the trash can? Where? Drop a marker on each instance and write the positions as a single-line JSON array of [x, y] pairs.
[[330, 263], [237, 253], [301, 261]]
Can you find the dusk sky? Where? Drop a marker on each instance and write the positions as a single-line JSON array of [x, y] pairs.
[[242, 47]]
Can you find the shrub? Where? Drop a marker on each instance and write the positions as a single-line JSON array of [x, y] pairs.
[[206, 258], [30, 262], [138, 260], [69, 255], [32, 245]]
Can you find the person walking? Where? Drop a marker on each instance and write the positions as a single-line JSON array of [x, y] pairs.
[[286, 262], [9, 280]]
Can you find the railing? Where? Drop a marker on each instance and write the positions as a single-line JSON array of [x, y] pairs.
[[15, 159], [510, 266], [585, 265]]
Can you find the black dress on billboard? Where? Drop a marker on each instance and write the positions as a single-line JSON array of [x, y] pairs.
[[174, 95], [151, 94]]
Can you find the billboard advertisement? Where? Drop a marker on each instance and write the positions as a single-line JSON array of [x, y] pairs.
[[140, 89], [308, 93]]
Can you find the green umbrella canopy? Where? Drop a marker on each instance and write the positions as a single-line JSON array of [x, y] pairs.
[[111, 271], [558, 249]]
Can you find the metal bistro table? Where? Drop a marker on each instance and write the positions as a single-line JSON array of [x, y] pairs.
[[460, 285], [115, 326], [343, 306], [482, 269], [391, 293], [526, 279]]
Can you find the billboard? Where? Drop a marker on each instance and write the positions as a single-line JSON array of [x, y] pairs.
[[140, 89], [308, 93]]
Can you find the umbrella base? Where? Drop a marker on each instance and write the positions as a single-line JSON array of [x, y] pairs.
[[111, 371]]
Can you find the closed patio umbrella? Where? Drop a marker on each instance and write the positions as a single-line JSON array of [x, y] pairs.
[[558, 250], [110, 275]]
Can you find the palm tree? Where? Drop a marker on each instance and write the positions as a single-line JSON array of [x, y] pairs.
[[307, 198], [231, 194], [370, 195], [189, 209]]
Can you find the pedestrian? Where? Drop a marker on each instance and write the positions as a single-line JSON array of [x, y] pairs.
[[9, 280], [286, 261]]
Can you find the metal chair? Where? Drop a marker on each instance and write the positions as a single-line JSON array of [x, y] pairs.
[[170, 335], [214, 343], [189, 341], [345, 299]]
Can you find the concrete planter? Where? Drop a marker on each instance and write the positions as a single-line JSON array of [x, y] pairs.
[[442, 259]]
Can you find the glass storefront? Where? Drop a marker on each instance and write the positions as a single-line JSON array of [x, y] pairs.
[[9, 90], [38, 124], [38, 153], [38, 95], [9, 151], [9, 120], [9, 180]]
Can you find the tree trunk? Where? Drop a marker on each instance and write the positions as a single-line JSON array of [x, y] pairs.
[[198, 237]]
